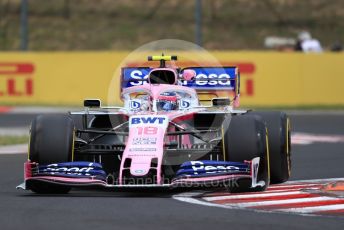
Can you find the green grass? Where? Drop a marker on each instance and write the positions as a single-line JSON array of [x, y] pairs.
[[13, 140], [127, 24]]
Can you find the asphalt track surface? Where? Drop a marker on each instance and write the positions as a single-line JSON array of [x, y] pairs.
[[156, 209]]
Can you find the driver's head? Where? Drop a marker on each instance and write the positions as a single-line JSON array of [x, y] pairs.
[[167, 102]]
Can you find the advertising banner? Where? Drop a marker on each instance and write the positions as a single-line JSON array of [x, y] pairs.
[[267, 78]]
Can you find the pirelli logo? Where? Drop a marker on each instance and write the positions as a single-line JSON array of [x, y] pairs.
[[16, 79]]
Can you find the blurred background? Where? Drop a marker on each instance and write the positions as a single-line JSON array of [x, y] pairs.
[[56, 53], [127, 24]]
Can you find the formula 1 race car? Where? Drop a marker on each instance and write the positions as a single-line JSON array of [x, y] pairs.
[[163, 136]]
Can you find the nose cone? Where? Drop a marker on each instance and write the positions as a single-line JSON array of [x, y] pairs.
[[140, 167]]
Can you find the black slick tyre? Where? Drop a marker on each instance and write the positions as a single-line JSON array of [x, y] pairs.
[[51, 141], [278, 125], [244, 138]]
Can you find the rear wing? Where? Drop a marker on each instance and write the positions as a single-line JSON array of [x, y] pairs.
[[214, 79], [210, 82]]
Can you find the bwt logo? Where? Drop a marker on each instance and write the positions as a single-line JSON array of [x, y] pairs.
[[184, 104], [147, 120], [135, 104], [16, 79]]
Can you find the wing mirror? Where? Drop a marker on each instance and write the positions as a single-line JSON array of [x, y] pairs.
[[92, 103], [221, 101]]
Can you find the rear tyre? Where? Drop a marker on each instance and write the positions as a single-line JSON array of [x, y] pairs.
[[244, 138], [51, 141], [278, 125]]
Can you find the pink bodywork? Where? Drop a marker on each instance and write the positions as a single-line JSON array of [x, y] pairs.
[[141, 155], [147, 136]]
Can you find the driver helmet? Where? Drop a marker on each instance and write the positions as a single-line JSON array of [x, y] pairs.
[[167, 101]]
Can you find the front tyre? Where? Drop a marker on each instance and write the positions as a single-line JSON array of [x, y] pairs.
[[51, 141], [244, 138], [278, 125]]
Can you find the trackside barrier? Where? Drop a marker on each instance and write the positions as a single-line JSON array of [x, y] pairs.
[[267, 78]]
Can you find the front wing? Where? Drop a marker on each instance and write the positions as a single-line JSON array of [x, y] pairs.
[[191, 174]]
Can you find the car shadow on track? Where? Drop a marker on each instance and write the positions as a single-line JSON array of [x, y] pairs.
[[124, 193]]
